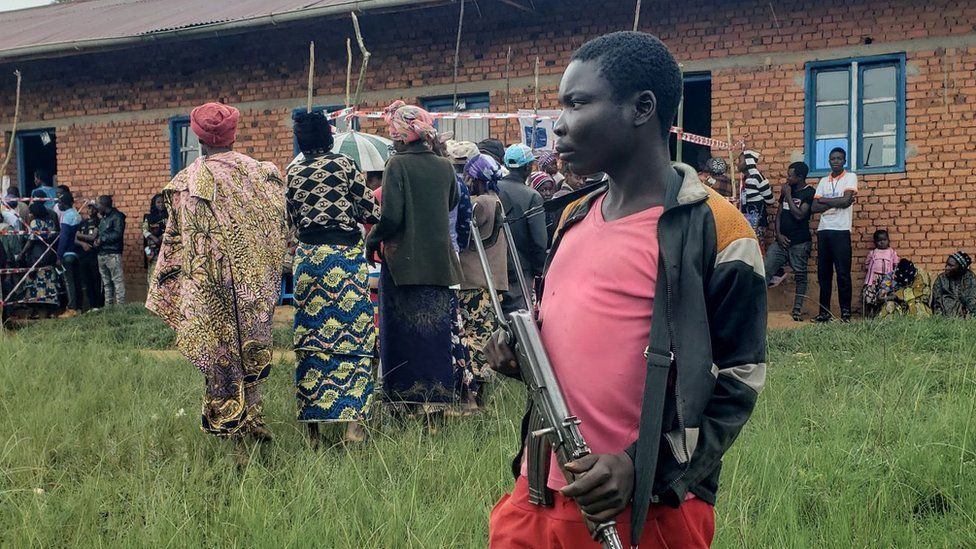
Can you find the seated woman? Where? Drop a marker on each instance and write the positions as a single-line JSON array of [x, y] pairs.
[[954, 293], [910, 294]]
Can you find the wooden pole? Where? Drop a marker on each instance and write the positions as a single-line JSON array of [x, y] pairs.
[[366, 56], [457, 54], [348, 69], [3, 170], [311, 75], [679, 144], [508, 88], [13, 132], [535, 118], [536, 90], [732, 169], [637, 15]]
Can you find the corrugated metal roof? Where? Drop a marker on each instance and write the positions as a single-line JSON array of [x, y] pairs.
[[66, 26]]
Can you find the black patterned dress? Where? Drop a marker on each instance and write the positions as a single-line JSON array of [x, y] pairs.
[[334, 330]]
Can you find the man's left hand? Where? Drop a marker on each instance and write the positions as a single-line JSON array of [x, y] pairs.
[[604, 484]]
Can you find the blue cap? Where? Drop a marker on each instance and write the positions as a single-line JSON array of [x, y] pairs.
[[518, 156]]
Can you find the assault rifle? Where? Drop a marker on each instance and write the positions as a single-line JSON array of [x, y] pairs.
[[551, 425]]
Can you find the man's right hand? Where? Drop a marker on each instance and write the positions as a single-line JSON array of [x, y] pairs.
[[783, 240], [500, 355]]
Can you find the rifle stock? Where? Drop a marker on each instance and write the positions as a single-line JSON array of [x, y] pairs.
[[552, 426]]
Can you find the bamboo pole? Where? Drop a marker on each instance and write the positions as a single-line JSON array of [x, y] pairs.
[[637, 15], [311, 75], [366, 56]]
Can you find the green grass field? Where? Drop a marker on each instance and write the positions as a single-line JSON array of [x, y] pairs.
[[863, 438]]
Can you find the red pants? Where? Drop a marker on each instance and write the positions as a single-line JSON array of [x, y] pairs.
[[517, 524]]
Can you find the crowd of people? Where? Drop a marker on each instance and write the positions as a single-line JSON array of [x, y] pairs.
[[893, 286], [58, 255], [213, 270], [429, 347], [649, 287]]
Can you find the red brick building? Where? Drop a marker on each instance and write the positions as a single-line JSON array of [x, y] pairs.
[[109, 83]]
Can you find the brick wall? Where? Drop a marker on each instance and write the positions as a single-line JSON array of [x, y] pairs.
[[111, 109]]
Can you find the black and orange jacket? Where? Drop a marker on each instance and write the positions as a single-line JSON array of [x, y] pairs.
[[706, 358]]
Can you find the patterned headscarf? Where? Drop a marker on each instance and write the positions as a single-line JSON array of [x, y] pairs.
[[905, 273], [485, 169], [215, 124], [409, 123], [716, 166], [963, 259]]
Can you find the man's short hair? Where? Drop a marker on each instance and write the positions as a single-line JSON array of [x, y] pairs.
[[64, 188], [67, 199], [838, 150], [105, 200], [634, 62], [800, 169]]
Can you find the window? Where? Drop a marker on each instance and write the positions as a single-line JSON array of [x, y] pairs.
[[184, 147], [339, 125], [859, 105], [464, 130]]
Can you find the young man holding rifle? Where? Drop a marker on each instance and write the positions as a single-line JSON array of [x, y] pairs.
[[653, 315]]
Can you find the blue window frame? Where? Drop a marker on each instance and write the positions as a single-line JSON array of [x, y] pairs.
[[184, 147], [337, 125], [857, 104], [464, 130], [25, 168]]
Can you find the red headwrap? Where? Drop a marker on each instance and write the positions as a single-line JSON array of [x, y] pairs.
[[215, 124]]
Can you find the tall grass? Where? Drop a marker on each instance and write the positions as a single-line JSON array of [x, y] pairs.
[[863, 438]]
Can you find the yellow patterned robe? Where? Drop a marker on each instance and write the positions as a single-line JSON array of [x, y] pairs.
[[218, 278], [912, 300]]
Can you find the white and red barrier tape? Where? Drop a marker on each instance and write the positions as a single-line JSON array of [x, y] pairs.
[[28, 233], [24, 270], [351, 112], [45, 199], [21, 302]]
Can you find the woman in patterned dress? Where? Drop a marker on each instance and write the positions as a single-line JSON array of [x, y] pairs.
[[328, 200], [218, 274], [911, 294], [41, 286], [418, 307], [481, 174]]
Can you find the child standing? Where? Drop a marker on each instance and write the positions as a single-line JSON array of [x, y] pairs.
[[878, 266]]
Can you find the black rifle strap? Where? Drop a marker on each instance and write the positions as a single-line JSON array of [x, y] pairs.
[[649, 438]]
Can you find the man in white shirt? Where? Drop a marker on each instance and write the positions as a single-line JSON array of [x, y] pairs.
[[833, 201]]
